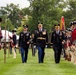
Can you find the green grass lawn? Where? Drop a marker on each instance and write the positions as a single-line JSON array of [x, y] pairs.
[[32, 67]]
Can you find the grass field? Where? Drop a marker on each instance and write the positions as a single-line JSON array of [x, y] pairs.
[[32, 67]]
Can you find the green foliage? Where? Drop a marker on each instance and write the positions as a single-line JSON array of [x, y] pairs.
[[25, 11], [48, 12], [12, 12], [20, 29], [6, 23], [70, 14]]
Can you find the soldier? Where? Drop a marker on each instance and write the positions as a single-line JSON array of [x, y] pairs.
[[24, 41], [56, 39], [67, 44], [40, 38], [74, 33], [13, 42], [74, 41]]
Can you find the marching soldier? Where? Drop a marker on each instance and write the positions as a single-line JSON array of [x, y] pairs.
[[56, 39], [24, 41], [40, 38]]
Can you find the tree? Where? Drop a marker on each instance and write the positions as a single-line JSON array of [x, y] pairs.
[[46, 11], [70, 14], [12, 12]]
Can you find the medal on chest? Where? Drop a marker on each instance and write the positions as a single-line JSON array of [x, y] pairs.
[[44, 33]]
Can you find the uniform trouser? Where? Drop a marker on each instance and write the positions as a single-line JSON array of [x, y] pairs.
[[40, 54], [24, 54], [57, 54]]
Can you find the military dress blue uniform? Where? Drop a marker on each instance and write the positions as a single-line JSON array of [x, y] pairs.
[[56, 40], [40, 38], [23, 39]]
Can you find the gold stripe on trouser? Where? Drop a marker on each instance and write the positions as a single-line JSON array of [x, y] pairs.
[[41, 38], [14, 53]]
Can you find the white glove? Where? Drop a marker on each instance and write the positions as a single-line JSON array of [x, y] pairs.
[[46, 46], [34, 46]]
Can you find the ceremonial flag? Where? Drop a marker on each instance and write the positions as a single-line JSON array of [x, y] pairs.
[[62, 23]]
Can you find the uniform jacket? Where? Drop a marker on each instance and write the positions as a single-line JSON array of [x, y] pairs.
[[23, 39], [73, 35], [40, 38], [56, 39]]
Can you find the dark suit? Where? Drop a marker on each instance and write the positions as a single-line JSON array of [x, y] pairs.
[[40, 38], [56, 40]]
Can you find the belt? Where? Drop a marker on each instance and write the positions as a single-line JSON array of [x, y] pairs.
[[41, 38]]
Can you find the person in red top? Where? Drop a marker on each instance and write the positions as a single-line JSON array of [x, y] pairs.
[[74, 33], [73, 46]]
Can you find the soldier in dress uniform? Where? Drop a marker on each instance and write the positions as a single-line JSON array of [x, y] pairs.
[[56, 39], [74, 33], [24, 41], [73, 36], [40, 38]]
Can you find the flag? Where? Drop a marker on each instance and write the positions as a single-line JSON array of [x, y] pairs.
[[62, 23]]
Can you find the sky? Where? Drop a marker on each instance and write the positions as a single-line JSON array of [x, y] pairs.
[[22, 3]]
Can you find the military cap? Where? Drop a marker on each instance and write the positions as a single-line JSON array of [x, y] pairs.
[[74, 22], [57, 25], [71, 23], [54, 25], [40, 24], [68, 29], [13, 30], [25, 26]]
